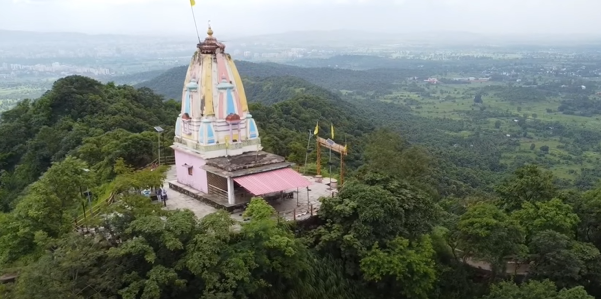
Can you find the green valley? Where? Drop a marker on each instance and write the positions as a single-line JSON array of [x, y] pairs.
[[447, 192], [518, 118]]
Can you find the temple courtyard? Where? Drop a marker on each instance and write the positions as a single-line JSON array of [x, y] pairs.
[[302, 204]]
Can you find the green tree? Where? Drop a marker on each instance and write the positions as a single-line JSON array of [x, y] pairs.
[[363, 214], [566, 262], [46, 210], [410, 265], [389, 154], [527, 184], [488, 234], [73, 267], [77, 108], [535, 290], [588, 209], [550, 215]]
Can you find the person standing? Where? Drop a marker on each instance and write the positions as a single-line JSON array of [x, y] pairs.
[[164, 196]]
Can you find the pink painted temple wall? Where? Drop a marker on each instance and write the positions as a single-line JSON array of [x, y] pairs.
[[198, 179]]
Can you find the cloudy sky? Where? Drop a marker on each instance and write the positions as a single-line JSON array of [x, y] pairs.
[[251, 17]]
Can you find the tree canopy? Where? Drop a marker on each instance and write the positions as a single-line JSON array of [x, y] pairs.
[[417, 218]]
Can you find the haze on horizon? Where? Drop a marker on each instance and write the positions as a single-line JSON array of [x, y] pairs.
[[256, 17]]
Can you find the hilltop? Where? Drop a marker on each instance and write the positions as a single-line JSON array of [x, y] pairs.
[[101, 123], [403, 207]]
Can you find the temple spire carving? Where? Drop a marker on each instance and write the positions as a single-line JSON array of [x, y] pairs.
[[214, 105]]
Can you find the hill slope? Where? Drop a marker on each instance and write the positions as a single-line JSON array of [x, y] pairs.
[[100, 123], [170, 83], [268, 83], [79, 116]]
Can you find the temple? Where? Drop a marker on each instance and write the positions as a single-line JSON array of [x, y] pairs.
[[217, 145]]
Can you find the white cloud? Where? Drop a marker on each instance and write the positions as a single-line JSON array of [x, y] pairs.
[[264, 16]]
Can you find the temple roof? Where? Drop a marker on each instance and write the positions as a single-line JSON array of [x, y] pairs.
[[210, 44], [246, 160]]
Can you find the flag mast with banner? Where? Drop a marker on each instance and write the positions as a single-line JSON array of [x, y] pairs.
[[192, 3], [315, 131], [330, 160]]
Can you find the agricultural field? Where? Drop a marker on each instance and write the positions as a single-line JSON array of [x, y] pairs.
[[11, 95], [535, 129], [6, 104]]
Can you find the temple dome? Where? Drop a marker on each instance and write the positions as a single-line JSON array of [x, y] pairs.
[[214, 107], [213, 85]]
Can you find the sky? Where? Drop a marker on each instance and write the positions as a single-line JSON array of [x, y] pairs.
[[257, 17]]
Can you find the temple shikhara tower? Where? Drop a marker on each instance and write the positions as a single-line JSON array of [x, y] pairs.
[[218, 153]]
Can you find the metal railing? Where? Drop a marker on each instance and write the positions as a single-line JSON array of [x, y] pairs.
[[94, 212], [165, 160], [168, 160], [217, 192]]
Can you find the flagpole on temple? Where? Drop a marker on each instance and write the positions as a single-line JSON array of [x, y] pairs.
[[192, 3], [330, 160], [330, 163]]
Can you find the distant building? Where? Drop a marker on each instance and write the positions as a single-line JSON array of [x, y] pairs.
[[472, 79], [218, 153]]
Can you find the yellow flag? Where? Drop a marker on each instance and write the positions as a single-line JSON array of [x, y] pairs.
[[192, 2], [316, 129], [332, 130], [346, 148], [227, 139]]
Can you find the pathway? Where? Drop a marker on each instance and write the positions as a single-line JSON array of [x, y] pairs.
[[178, 201]]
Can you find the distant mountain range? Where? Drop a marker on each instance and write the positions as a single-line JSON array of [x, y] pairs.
[[331, 38], [263, 82], [171, 82], [423, 38], [13, 36]]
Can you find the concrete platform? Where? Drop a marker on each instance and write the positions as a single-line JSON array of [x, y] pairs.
[[181, 201], [304, 204], [208, 199]]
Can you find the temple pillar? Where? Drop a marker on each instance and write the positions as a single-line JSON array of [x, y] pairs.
[[231, 196]]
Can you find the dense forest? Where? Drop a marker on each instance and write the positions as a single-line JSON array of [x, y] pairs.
[[83, 118], [424, 213]]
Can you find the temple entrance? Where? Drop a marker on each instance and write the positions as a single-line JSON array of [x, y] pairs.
[[217, 186]]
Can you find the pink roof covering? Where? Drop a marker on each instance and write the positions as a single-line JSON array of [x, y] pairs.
[[272, 181]]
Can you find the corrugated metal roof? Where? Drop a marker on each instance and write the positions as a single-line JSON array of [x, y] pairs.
[[272, 181]]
